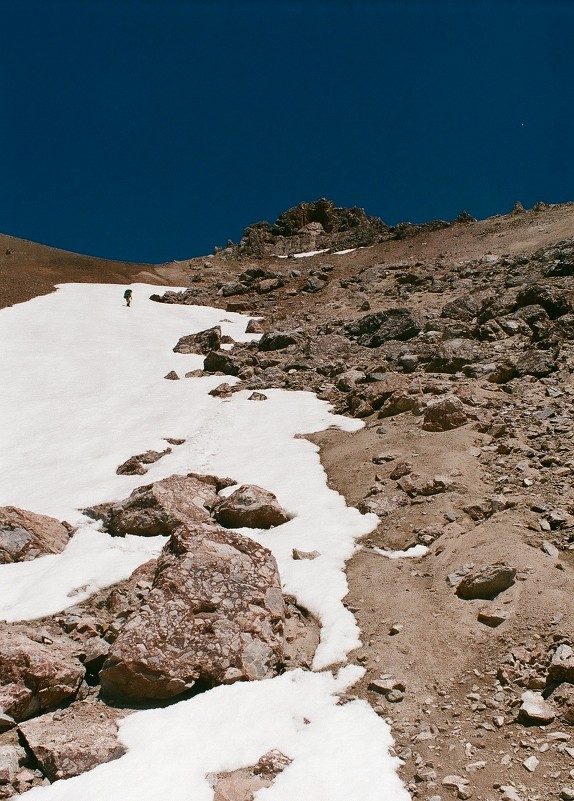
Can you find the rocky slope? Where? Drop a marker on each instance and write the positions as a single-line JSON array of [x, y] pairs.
[[454, 343]]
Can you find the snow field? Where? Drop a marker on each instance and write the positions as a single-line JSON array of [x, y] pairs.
[[83, 390]]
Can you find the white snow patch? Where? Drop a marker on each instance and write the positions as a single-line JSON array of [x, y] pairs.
[[339, 752], [91, 561], [344, 252], [309, 253], [413, 552], [84, 390]]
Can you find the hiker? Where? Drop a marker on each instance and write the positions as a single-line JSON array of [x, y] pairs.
[[128, 297]]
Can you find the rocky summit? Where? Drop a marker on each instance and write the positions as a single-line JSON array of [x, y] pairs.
[[453, 343]]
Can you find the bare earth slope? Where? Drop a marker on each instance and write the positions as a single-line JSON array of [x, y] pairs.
[[28, 269], [496, 487]]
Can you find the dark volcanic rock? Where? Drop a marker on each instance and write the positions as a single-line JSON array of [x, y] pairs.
[[555, 303], [374, 329], [453, 355], [215, 615], [220, 361], [277, 340], [538, 363], [202, 342], [318, 225], [464, 308]]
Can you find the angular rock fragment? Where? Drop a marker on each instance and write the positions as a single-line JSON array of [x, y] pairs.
[[35, 677], [242, 784], [220, 361], [25, 535], [277, 340], [492, 616], [562, 665], [160, 507], [444, 414], [250, 506], [215, 615], [136, 465], [202, 342], [375, 329], [535, 709], [72, 741], [487, 582]]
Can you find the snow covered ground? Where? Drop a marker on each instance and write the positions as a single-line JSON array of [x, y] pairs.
[[83, 389]]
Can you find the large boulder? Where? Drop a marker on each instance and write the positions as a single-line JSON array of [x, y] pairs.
[[25, 535], [250, 506], [487, 582], [464, 308], [161, 507], [74, 740], [452, 356], [215, 615], [277, 340], [375, 329], [220, 361], [35, 677], [554, 302], [444, 413], [538, 363], [376, 393], [202, 342]]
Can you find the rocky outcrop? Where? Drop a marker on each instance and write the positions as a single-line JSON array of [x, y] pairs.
[[74, 740], [34, 676], [202, 342], [159, 508], [318, 225], [250, 506], [215, 615], [25, 535]]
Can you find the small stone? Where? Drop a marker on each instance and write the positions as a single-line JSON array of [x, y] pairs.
[[550, 549], [535, 708], [567, 794], [492, 616], [298, 555], [531, 764], [172, 376], [6, 722], [382, 458], [474, 766], [396, 628], [509, 793]]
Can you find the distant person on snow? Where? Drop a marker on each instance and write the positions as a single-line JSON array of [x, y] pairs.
[[128, 297]]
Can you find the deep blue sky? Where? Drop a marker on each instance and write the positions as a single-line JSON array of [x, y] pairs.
[[150, 130]]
